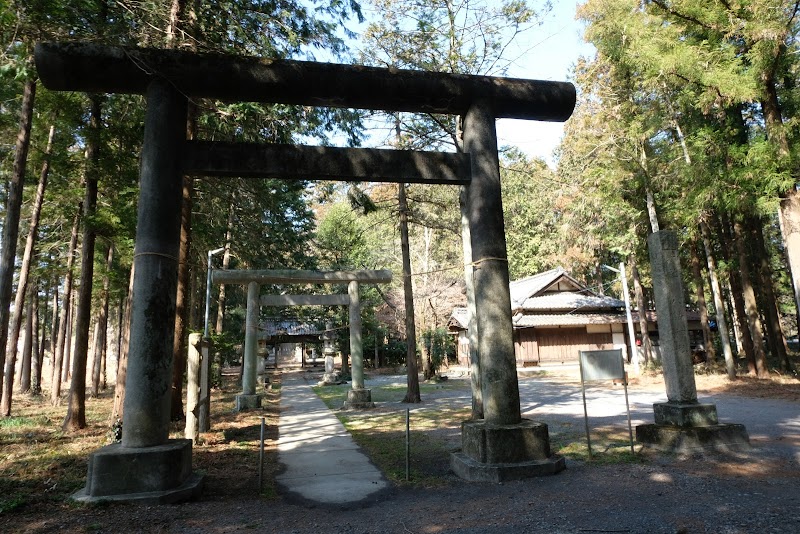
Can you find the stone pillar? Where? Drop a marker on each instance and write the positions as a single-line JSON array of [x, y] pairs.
[[681, 423], [248, 399], [490, 270], [157, 469], [356, 347], [147, 389], [193, 365], [502, 445], [472, 326], [358, 397]]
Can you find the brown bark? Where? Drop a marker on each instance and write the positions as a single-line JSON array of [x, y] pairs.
[[27, 346], [122, 356], [719, 301], [739, 315], [180, 20], [412, 391], [22, 285], [697, 273], [76, 409], [66, 305], [751, 305], [226, 261], [181, 304], [101, 328], [13, 208], [647, 345], [777, 339]]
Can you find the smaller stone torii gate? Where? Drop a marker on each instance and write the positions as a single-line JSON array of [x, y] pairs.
[[159, 468], [358, 396]]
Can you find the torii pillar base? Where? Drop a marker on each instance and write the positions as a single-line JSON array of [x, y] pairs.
[[359, 399], [497, 453], [245, 402], [690, 427], [147, 475]]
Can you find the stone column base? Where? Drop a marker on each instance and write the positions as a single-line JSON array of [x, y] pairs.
[[689, 427], [496, 453], [246, 402], [147, 475], [330, 379], [359, 399], [668, 438]]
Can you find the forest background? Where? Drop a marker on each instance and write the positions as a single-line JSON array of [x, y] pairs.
[[686, 120]]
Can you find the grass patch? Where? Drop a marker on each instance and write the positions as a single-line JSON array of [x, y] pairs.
[[435, 430]]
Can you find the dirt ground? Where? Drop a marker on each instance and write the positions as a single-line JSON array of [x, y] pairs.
[[753, 492]]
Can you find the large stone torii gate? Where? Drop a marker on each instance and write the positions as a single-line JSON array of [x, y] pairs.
[[358, 396], [501, 445]]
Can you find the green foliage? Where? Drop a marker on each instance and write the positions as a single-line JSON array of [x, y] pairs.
[[440, 346]]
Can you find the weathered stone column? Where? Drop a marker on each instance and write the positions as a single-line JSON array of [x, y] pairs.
[[681, 423], [358, 397], [147, 389], [248, 399], [472, 324], [356, 347], [490, 270], [156, 469], [502, 445]]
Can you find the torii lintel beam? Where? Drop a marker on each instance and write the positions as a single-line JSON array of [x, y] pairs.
[[251, 160], [305, 300], [291, 276], [95, 68]]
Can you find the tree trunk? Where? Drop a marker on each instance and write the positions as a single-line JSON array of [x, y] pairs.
[[751, 305], [771, 311], [63, 322], [36, 352], [412, 390], [647, 345], [697, 273], [101, 327], [66, 370], [182, 304], [27, 346], [76, 410], [8, 249], [789, 215], [739, 314], [226, 261], [179, 21], [22, 285], [122, 355], [719, 304]]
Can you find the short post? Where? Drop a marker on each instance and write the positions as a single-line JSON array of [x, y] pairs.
[[193, 365], [408, 444], [261, 457]]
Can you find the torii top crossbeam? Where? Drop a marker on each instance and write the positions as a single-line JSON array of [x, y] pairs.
[[96, 68], [292, 276]]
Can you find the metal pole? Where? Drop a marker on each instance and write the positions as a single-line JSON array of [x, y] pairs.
[[631, 334], [628, 407], [408, 444], [261, 459], [585, 411]]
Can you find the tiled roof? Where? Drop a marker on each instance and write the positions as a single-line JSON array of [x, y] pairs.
[[567, 319], [569, 301], [291, 327]]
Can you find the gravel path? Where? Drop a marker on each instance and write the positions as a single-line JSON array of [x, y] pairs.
[[753, 492]]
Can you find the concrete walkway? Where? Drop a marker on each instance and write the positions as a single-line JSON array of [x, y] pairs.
[[322, 464]]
